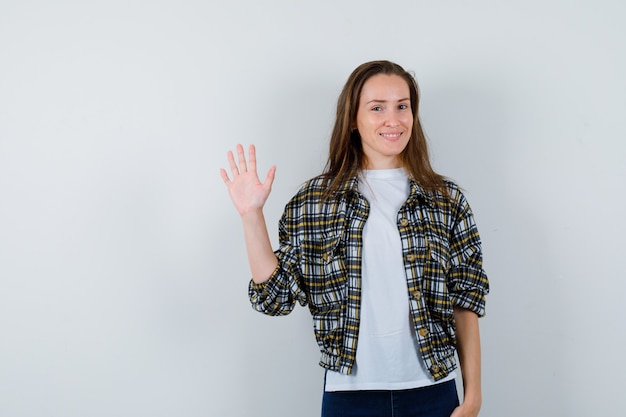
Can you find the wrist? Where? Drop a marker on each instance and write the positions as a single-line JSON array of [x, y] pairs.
[[251, 214], [472, 402]]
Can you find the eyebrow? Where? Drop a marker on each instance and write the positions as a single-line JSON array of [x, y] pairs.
[[385, 101]]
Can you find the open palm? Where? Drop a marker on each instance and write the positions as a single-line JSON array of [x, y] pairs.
[[246, 191]]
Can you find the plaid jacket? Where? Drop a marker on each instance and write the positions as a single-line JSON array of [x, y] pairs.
[[320, 266]]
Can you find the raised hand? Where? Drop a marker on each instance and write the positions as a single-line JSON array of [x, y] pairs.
[[249, 196], [246, 191]]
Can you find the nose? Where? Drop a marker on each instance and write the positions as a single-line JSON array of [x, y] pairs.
[[392, 119]]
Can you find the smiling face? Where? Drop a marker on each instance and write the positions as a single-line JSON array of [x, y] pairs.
[[384, 120]]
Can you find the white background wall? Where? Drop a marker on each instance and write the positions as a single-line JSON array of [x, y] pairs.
[[123, 275]]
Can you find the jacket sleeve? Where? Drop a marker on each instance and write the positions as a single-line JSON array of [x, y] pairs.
[[467, 281], [278, 295]]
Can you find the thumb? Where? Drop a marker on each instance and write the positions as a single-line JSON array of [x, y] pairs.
[[269, 179]]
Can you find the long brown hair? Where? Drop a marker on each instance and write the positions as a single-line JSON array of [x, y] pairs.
[[346, 157]]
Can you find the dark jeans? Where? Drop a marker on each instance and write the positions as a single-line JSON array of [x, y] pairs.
[[437, 400]]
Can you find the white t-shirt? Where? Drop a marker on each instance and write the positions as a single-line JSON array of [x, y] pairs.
[[387, 356]]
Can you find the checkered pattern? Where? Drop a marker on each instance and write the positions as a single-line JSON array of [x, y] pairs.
[[320, 266]]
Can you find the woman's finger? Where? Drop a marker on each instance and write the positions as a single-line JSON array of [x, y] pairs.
[[233, 165], [242, 159], [224, 176], [252, 157], [269, 179]]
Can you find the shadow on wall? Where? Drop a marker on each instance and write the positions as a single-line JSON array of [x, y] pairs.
[[473, 126]]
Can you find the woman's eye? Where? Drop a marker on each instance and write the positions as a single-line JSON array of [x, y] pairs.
[[377, 108], [403, 106]]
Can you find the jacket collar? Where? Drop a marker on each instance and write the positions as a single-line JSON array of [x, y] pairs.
[[417, 193]]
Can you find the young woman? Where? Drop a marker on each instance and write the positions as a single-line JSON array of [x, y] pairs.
[[383, 250]]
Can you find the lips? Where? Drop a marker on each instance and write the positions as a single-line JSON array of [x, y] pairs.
[[392, 136]]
